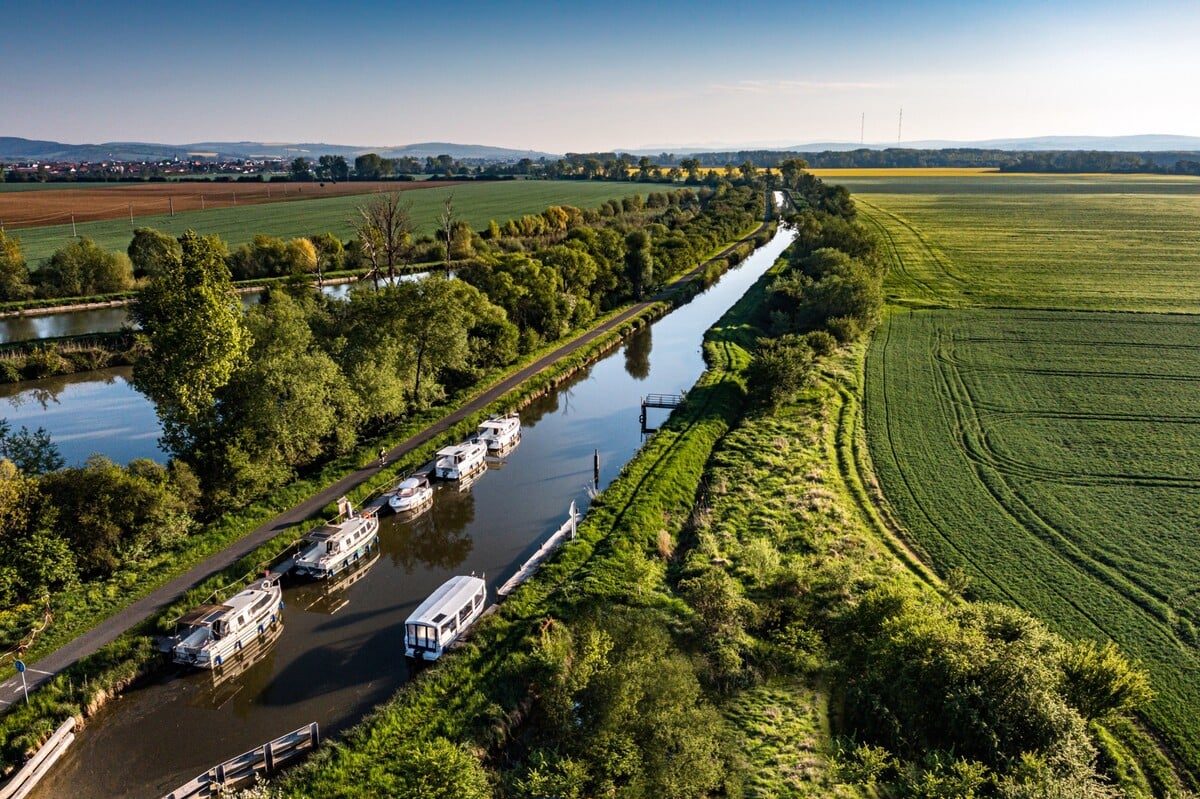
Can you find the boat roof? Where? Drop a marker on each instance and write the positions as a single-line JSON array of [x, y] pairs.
[[249, 594], [203, 614], [446, 600], [457, 448], [497, 424], [414, 481], [327, 530]]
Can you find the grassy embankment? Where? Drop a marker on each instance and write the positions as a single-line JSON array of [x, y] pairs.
[[1049, 453], [475, 204], [88, 683]]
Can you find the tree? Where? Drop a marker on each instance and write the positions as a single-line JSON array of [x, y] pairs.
[[300, 169], [285, 406], [639, 263], [81, 268], [33, 453], [117, 513], [1098, 681], [14, 273], [446, 224], [151, 252], [330, 255], [369, 167], [384, 228], [194, 339]]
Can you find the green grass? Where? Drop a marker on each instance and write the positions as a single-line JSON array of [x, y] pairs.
[[474, 203], [1080, 243]]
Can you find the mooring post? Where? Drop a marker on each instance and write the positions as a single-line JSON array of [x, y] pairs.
[[596, 469], [269, 757]]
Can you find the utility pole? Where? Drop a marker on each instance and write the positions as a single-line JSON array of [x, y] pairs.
[[862, 129], [900, 126]]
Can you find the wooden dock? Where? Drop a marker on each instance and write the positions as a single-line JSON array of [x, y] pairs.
[[264, 760]]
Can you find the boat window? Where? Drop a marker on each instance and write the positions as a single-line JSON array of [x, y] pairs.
[[331, 546], [465, 613], [479, 599]]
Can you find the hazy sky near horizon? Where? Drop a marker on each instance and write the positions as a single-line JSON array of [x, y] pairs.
[[561, 76]]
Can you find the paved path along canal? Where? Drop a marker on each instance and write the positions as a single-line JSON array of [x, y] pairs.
[[156, 601]]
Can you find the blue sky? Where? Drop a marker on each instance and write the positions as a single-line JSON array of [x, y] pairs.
[[583, 76]]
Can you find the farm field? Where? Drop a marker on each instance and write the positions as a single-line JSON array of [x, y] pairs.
[[1094, 243], [1029, 429], [55, 203], [475, 202]]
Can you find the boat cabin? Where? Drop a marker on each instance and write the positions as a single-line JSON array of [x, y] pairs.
[[443, 617]]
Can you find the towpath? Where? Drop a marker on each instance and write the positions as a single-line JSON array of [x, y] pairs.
[[156, 601]]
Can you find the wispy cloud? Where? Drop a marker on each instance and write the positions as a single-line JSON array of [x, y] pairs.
[[780, 86]]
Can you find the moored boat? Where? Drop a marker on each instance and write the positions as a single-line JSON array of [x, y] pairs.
[[211, 634], [332, 546], [500, 433], [461, 460], [413, 494], [444, 616]]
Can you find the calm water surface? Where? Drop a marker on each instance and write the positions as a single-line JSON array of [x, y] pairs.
[[86, 413], [341, 648]]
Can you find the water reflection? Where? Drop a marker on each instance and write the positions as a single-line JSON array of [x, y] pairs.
[[637, 355], [240, 674], [437, 539], [86, 413], [330, 595]]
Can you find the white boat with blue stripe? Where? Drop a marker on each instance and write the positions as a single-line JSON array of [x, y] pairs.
[[332, 547]]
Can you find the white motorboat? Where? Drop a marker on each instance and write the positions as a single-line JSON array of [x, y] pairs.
[[461, 460], [444, 616], [211, 634], [333, 546], [500, 433], [413, 494]]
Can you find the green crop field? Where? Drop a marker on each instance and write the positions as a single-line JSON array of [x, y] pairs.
[[1078, 242], [475, 203], [1044, 444]]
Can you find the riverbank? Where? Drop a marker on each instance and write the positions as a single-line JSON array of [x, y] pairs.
[[353, 469]]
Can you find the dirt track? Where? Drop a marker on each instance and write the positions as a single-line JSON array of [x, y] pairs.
[[115, 201]]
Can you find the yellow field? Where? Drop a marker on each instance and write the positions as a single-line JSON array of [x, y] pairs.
[[914, 172]]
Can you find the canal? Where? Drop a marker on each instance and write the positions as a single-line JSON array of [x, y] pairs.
[[340, 651]]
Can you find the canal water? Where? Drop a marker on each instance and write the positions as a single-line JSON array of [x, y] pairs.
[[340, 651], [85, 321]]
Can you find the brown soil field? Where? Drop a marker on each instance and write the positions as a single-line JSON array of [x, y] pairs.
[[56, 206]]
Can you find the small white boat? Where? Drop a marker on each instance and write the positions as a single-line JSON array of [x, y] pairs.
[[211, 634], [443, 617], [461, 460], [333, 546], [412, 494], [500, 433]]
